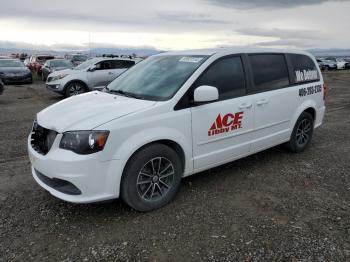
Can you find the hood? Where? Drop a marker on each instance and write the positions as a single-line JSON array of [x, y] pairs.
[[88, 111], [60, 68], [14, 70], [65, 71]]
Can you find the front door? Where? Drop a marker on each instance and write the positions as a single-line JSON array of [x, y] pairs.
[[222, 130], [102, 75]]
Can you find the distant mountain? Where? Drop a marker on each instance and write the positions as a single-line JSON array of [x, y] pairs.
[[330, 52], [96, 50]]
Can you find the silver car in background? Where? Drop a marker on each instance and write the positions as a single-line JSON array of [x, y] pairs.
[[93, 74]]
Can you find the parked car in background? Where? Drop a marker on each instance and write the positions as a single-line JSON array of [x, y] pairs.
[[347, 63], [93, 74], [326, 64], [26, 62], [14, 71], [321, 64], [37, 61], [76, 59], [55, 65], [338, 61], [2, 86]]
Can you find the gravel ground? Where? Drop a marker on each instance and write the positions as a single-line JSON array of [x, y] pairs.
[[270, 206]]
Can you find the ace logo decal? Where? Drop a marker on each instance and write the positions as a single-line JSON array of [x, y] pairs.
[[226, 124]]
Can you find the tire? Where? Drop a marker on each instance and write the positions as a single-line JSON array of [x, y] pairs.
[[145, 188], [302, 133], [74, 88]]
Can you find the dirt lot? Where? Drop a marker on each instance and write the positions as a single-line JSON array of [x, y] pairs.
[[271, 206]]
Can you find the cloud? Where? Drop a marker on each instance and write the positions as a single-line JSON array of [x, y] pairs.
[[281, 33], [187, 17], [285, 37], [275, 4]]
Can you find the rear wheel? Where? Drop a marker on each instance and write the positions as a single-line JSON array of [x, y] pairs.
[[302, 133], [75, 88], [151, 178]]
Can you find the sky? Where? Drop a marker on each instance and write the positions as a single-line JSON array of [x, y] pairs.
[[175, 25]]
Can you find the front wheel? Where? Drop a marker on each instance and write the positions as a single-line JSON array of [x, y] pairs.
[[302, 133], [151, 178], [74, 88]]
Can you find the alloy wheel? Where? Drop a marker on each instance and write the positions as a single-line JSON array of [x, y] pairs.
[[303, 132], [75, 89], [155, 179]]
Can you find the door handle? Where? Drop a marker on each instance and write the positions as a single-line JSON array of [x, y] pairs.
[[245, 105], [262, 102]]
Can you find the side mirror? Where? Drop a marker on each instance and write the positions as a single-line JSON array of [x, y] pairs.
[[204, 94], [92, 68]]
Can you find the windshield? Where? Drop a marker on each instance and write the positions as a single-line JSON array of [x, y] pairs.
[[61, 63], [85, 65], [156, 78], [11, 63], [79, 57]]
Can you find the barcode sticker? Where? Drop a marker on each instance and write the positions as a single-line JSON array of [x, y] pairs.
[[188, 59]]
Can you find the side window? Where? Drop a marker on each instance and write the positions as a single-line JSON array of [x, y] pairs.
[[104, 65], [227, 75], [121, 64], [128, 64], [304, 69], [270, 72]]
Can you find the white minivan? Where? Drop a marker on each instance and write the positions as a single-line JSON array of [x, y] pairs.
[[173, 115]]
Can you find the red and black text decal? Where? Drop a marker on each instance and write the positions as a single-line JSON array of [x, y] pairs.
[[225, 124]]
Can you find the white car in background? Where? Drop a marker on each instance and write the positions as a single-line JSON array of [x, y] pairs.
[[93, 74], [340, 62]]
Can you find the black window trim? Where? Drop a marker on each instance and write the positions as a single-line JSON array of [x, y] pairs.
[[251, 88], [183, 104]]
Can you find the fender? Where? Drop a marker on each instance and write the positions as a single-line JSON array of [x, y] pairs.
[[144, 137], [305, 105], [75, 80]]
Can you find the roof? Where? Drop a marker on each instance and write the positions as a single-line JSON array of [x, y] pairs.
[[235, 50]]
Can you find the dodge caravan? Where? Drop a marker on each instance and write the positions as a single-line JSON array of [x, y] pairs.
[[173, 115]]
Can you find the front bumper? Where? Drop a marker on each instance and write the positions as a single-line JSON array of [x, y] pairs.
[[93, 179], [55, 87], [17, 79]]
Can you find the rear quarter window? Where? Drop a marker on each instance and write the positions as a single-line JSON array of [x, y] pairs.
[[304, 69], [270, 72]]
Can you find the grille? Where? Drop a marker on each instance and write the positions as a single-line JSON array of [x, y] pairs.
[[42, 138]]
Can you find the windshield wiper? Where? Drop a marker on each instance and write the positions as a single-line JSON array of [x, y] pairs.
[[123, 93]]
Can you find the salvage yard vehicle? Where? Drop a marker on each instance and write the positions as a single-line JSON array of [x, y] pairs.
[[14, 71], [37, 61], [2, 86], [93, 74], [54, 65], [76, 59], [340, 63], [326, 64], [173, 115]]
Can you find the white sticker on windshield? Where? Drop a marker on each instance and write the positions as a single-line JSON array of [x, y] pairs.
[[188, 59]]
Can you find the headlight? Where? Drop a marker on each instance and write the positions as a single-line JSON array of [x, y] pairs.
[[58, 77], [84, 142]]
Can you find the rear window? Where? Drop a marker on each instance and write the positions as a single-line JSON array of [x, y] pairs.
[[270, 72], [304, 69]]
